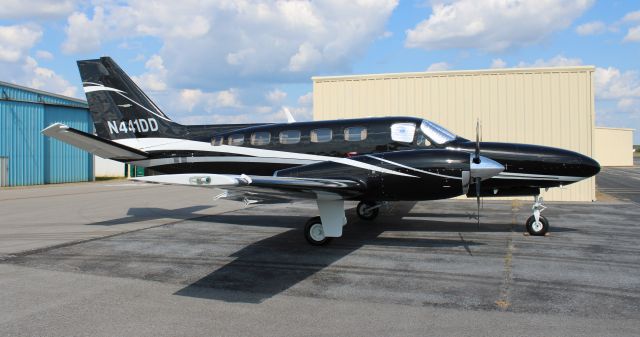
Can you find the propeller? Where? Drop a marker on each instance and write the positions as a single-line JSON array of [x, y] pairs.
[[482, 168], [476, 160]]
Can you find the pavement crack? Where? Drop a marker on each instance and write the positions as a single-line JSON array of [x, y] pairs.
[[503, 301]]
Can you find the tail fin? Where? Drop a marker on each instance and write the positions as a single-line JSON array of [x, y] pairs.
[[119, 108]]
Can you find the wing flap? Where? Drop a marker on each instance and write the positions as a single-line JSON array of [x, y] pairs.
[[101, 147]]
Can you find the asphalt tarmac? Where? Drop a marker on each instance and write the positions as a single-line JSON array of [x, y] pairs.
[[419, 269], [621, 182]]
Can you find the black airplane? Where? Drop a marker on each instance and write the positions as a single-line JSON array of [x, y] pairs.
[[371, 160]]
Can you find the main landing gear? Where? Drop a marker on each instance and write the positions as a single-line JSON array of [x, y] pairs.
[[321, 229], [368, 210], [314, 232], [536, 224]]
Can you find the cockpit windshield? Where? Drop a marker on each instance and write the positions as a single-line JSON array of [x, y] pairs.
[[436, 133]]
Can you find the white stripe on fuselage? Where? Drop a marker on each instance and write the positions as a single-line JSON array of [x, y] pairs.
[[174, 144], [229, 159], [529, 176], [413, 168]]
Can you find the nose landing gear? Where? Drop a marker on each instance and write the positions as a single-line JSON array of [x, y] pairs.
[[537, 225]]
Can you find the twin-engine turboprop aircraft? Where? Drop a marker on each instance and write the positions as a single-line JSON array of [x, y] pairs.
[[371, 160]]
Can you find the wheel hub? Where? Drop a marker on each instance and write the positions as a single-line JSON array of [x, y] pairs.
[[537, 226], [317, 232]]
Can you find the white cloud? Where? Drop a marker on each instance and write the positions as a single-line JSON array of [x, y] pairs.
[[633, 35], [16, 40], [306, 99], [556, 61], [84, 34], [492, 25], [629, 105], [498, 63], [45, 9], [439, 66], [611, 83], [44, 55], [631, 17], [189, 99], [591, 28], [276, 96], [212, 44], [155, 77], [38, 77]]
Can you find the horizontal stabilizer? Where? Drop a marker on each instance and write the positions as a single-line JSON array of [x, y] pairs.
[[100, 147]]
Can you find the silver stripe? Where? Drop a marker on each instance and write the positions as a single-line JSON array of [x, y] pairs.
[[138, 104], [168, 144], [414, 169], [99, 87], [217, 159], [527, 176]]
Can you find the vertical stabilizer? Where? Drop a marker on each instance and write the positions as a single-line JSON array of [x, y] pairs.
[[119, 108]]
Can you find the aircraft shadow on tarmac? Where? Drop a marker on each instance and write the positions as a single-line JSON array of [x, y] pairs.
[[151, 213], [271, 266]]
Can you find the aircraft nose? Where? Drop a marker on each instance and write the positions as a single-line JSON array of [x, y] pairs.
[[589, 166]]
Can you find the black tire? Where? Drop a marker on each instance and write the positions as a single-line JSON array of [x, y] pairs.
[[311, 234], [367, 215], [535, 230]]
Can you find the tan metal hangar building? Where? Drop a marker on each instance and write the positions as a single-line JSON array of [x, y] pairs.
[[544, 106]]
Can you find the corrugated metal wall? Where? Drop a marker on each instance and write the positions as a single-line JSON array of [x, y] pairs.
[[32, 158], [546, 106], [613, 146], [66, 163]]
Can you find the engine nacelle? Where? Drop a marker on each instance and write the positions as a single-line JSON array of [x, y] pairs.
[[431, 173]]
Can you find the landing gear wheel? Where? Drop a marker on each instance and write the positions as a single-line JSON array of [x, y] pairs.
[[314, 233], [366, 210], [537, 228]]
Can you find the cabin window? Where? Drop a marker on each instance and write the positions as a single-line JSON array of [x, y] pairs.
[[321, 135], [290, 137], [236, 140], [355, 133], [217, 141], [403, 132], [260, 138], [436, 133]]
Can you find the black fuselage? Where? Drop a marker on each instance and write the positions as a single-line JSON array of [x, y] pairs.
[[425, 166]]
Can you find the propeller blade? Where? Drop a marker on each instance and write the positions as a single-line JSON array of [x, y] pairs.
[[476, 158], [478, 198]]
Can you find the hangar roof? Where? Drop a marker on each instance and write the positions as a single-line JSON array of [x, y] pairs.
[[14, 92], [457, 72]]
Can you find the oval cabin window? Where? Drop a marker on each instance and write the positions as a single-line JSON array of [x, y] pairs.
[[236, 140], [290, 137], [260, 138], [355, 133], [321, 135]]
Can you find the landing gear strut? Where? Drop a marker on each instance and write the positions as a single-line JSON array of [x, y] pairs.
[[368, 210], [536, 224], [314, 232]]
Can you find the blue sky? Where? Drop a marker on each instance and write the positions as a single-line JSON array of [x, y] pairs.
[[237, 61]]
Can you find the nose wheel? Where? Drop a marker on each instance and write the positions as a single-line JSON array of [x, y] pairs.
[[368, 210], [537, 225]]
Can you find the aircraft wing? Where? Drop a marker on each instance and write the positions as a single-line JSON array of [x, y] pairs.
[[264, 189], [93, 144]]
